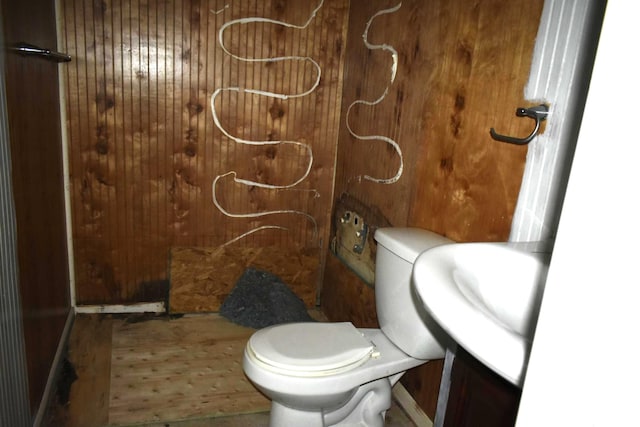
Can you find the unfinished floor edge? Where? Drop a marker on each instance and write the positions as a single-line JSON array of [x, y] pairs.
[[54, 372]]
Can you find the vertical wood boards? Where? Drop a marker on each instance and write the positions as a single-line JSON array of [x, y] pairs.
[[345, 298], [38, 188], [144, 149], [461, 70]]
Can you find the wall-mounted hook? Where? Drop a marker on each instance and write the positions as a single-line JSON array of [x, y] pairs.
[[538, 113], [26, 49]]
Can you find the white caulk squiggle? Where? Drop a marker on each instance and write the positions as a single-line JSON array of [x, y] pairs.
[[274, 59], [394, 70], [264, 227], [238, 140], [218, 12], [252, 214], [216, 120]]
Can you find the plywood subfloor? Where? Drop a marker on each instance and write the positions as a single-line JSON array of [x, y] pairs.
[[177, 369], [89, 385], [89, 355]]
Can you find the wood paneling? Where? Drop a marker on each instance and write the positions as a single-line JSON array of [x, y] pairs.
[[36, 156], [144, 149], [461, 70], [345, 297]]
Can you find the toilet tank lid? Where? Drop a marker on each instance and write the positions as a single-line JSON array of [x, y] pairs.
[[409, 242]]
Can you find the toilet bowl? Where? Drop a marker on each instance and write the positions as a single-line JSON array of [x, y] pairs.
[[334, 374], [314, 369]]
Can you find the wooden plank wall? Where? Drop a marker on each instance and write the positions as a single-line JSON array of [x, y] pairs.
[[461, 70], [32, 104], [144, 149]]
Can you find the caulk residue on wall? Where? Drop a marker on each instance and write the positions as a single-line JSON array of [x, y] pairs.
[[303, 146], [394, 70]]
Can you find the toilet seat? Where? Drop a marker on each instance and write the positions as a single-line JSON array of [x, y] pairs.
[[310, 349]]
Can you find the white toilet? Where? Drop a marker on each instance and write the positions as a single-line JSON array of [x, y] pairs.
[[334, 374]]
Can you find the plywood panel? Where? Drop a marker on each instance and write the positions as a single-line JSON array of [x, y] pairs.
[[202, 278], [461, 70], [90, 355], [469, 182], [145, 150]]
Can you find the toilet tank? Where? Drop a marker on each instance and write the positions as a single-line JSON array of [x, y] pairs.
[[401, 315]]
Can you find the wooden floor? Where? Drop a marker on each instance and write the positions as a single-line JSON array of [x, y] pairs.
[[177, 369], [161, 371]]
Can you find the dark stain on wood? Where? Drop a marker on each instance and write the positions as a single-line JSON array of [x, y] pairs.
[[456, 125], [194, 107], [271, 152], [104, 102], [153, 290], [280, 6], [276, 111], [191, 149], [191, 136], [102, 276], [464, 54], [99, 9], [195, 20], [102, 145], [446, 165], [460, 101]]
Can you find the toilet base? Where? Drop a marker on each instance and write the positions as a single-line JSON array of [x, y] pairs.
[[284, 416], [367, 408]]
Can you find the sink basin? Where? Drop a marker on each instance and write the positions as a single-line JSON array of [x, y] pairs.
[[487, 297]]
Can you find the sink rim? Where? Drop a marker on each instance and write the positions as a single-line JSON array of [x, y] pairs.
[[454, 308]]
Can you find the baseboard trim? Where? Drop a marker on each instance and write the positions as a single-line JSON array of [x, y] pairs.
[[410, 407], [147, 307], [55, 369]]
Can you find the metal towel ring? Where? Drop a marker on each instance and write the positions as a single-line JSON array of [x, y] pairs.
[[538, 113]]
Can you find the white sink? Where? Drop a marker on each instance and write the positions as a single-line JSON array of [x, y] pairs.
[[487, 297]]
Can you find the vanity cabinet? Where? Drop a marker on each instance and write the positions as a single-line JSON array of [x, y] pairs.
[[478, 396]]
